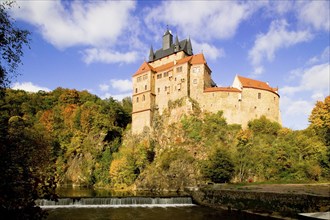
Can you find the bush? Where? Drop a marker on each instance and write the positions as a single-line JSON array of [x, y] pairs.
[[219, 168]]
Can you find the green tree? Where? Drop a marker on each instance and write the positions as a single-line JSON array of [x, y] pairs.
[[12, 40], [27, 170], [219, 168]]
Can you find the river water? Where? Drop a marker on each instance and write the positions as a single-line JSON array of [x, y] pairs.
[[84, 203]]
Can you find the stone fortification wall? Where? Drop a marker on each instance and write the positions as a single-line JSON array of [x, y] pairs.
[[283, 204], [228, 102], [257, 102]]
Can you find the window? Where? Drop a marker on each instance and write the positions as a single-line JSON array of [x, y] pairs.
[[145, 87], [195, 81], [159, 76], [158, 90], [196, 70], [179, 69], [259, 95], [136, 90], [139, 79], [165, 74], [143, 98], [145, 77], [137, 99]]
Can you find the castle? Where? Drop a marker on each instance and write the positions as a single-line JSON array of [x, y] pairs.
[[174, 72]]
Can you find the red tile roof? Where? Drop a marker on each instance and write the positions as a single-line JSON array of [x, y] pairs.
[[221, 89], [198, 59], [252, 83], [194, 59], [143, 68]]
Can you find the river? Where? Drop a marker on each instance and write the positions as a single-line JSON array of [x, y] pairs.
[[84, 203]]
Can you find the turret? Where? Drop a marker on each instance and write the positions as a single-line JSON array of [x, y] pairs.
[[167, 40], [151, 54], [176, 44], [189, 47]]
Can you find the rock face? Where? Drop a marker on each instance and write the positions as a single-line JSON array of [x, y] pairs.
[[284, 204]]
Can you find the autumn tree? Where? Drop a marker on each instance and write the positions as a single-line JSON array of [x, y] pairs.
[[320, 124], [12, 41]]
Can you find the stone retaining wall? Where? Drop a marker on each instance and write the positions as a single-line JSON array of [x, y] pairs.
[[283, 204]]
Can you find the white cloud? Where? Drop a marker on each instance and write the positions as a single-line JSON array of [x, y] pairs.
[[79, 22], [297, 102], [116, 88], [118, 97], [107, 56], [315, 79], [276, 38], [104, 87], [295, 113], [314, 13], [29, 87], [121, 85], [324, 57], [211, 52], [201, 19]]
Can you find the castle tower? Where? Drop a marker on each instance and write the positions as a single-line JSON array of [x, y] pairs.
[[167, 40]]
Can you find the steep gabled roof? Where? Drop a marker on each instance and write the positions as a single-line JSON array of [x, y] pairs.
[[143, 68], [198, 59], [256, 84], [194, 59], [221, 89]]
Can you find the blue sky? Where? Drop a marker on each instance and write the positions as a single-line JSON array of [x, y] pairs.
[[98, 45]]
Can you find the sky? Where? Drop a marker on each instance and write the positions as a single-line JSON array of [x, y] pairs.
[[98, 45]]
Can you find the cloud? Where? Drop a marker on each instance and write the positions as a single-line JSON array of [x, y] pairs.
[[116, 88], [104, 87], [79, 22], [295, 112], [313, 84], [118, 97], [29, 87], [276, 38], [107, 56], [210, 51], [121, 85], [324, 57], [203, 20], [315, 14], [99, 27], [315, 79]]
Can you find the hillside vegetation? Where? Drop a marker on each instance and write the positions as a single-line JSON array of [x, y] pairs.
[[72, 137]]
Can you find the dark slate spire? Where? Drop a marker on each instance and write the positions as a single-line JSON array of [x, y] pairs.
[[189, 47], [176, 44], [167, 40], [151, 54]]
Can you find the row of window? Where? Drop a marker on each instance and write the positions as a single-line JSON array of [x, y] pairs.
[[140, 78], [143, 98], [145, 88]]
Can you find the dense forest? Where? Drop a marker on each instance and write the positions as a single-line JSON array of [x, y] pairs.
[[87, 141]]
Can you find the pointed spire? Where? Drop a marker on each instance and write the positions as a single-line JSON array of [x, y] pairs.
[[151, 54], [177, 44], [189, 47]]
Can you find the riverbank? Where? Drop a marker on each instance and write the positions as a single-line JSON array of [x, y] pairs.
[[279, 200]]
